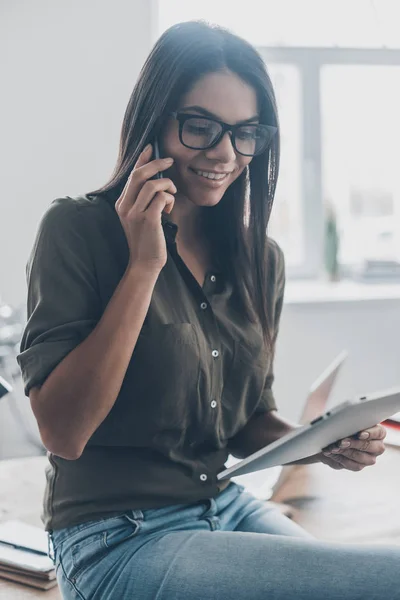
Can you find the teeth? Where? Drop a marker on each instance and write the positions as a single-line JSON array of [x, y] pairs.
[[211, 175]]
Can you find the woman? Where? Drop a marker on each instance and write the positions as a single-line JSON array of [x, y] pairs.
[[154, 305]]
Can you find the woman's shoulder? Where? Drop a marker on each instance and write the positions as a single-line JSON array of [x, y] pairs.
[[75, 212], [71, 206]]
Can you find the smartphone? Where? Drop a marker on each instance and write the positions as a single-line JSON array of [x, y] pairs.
[[157, 155], [160, 174]]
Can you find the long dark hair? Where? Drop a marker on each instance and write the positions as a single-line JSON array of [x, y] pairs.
[[237, 225]]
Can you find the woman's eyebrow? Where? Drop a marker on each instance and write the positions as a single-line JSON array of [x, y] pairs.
[[207, 113]]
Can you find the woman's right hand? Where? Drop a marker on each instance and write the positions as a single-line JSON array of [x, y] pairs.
[[139, 208]]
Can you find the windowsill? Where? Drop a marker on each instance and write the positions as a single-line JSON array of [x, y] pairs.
[[321, 291]]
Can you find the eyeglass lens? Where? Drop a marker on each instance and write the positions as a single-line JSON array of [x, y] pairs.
[[202, 133]]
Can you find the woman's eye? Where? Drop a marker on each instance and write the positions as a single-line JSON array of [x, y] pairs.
[[246, 134], [198, 130]]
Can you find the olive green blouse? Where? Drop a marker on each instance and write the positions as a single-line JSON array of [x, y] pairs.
[[197, 374]]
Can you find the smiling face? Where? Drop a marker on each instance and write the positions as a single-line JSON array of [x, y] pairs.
[[203, 176]]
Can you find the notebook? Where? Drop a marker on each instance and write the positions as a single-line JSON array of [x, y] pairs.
[[23, 555], [26, 579], [24, 536]]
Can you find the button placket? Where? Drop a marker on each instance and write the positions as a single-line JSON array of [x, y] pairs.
[[214, 341]]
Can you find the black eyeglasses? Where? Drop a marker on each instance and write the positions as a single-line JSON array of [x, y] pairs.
[[202, 133]]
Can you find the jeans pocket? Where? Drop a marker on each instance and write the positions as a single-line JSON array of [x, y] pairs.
[[85, 553], [89, 546]]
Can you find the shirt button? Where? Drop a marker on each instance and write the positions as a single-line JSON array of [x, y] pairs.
[[213, 278], [215, 353], [203, 305], [213, 404], [203, 477]]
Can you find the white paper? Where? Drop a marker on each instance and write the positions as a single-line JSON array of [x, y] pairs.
[[29, 561], [26, 536]]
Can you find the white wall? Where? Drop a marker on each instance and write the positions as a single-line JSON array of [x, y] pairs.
[[313, 333], [67, 70]]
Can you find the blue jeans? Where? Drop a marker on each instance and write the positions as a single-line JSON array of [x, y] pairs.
[[234, 547]]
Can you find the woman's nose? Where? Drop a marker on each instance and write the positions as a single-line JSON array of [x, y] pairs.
[[224, 151]]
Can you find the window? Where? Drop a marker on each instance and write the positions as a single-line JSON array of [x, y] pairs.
[[361, 132]]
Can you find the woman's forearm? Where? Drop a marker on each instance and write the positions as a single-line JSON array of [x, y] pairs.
[[80, 392], [262, 430]]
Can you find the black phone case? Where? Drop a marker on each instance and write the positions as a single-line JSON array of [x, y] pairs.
[[156, 147]]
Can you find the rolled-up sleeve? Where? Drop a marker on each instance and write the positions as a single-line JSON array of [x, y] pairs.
[[277, 275], [63, 304]]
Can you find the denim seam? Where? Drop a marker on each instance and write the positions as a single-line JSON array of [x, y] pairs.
[[82, 569], [81, 545], [71, 582]]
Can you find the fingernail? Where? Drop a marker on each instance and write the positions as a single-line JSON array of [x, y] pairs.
[[147, 148], [168, 161], [344, 444], [363, 435]]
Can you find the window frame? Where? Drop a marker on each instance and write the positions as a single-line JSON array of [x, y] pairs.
[[310, 61]]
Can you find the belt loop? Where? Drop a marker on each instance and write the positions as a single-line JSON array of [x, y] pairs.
[[138, 515], [50, 547], [211, 508]]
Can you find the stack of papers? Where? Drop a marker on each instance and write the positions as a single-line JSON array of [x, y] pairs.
[[23, 555], [392, 426], [395, 418]]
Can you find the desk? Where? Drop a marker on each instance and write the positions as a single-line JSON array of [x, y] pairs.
[[333, 505], [22, 482], [343, 505]]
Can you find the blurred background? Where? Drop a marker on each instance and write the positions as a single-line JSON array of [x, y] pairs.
[[67, 71]]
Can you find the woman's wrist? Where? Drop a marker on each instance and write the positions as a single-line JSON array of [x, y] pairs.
[[137, 272]]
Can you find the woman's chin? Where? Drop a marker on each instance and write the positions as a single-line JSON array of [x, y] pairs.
[[210, 199], [203, 197]]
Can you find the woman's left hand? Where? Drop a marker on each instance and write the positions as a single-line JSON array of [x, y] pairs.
[[356, 452]]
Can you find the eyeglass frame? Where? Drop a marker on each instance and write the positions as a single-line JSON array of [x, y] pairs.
[[182, 117]]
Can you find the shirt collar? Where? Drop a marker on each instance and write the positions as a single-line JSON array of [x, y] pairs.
[[170, 231]]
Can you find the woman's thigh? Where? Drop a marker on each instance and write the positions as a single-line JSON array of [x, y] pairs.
[[222, 565], [249, 514], [249, 566]]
